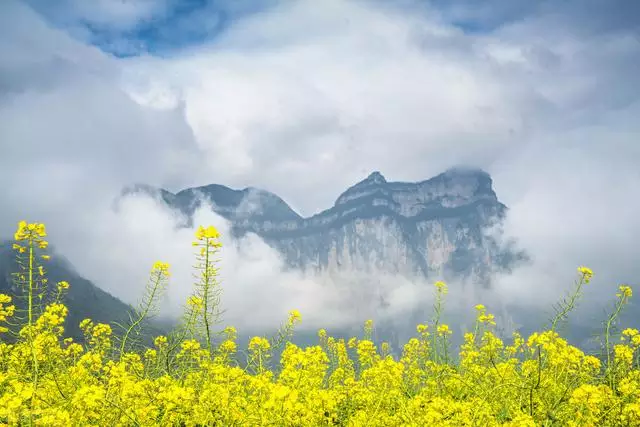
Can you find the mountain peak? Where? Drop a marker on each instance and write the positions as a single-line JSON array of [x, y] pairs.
[[454, 187], [370, 184], [248, 203], [375, 177]]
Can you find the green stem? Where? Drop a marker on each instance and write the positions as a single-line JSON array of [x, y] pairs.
[[30, 285], [570, 305], [610, 321], [206, 297], [143, 314], [30, 325]]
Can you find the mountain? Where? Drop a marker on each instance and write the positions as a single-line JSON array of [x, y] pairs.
[[433, 228], [84, 299]]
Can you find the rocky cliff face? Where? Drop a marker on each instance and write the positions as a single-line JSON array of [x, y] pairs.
[[434, 228]]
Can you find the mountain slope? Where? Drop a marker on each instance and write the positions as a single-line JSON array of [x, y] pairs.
[[84, 299]]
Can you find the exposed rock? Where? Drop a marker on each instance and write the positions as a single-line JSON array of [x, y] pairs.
[[433, 228]]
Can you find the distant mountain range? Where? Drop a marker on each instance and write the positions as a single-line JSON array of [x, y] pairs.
[[435, 228]]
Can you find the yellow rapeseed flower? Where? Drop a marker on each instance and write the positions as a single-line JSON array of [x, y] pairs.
[[86, 325], [195, 302], [190, 346], [368, 324], [625, 291], [161, 267], [228, 346], [352, 383], [6, 311], [35, 232], [160, 341], [207, 233], [259, 343], [294, 317], [444, 330], [441, 287], [20, 233], [586, 273], [230, 332], [487, 318]]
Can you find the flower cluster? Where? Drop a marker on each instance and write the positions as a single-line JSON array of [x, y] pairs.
[[183, 379]]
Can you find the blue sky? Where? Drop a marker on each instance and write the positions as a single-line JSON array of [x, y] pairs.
[[164, 26], [157, 26], [304, 98]]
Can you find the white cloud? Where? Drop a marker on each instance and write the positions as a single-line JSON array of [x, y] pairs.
[[306, 99], [258, 291], [296, 90]]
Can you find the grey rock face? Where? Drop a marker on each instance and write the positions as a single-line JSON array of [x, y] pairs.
[[433, 228]]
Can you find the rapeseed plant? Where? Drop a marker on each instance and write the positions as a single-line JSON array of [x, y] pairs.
[[192, 377]]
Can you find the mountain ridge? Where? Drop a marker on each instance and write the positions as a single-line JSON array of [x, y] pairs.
[[226, 197], [431, 227]]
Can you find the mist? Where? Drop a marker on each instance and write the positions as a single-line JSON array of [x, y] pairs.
[[293, 100]]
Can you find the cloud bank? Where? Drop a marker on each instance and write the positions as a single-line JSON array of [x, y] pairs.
[[544, 99]]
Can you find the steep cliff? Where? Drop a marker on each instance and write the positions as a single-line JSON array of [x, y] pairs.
[[433, 228]]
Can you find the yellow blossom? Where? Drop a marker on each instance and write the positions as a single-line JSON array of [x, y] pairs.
[[487, 318], [625, 291], [538, 380], [195, 302], [441, 287], [259, 343], [230, 332], [160, 341], [161, 267], [294, 317], [586, 273], [444, 330], [207, 233]]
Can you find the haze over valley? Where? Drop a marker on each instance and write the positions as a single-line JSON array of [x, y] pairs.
[[351, 153]]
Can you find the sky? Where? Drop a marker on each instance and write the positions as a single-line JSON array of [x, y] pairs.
[[95, 96]]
